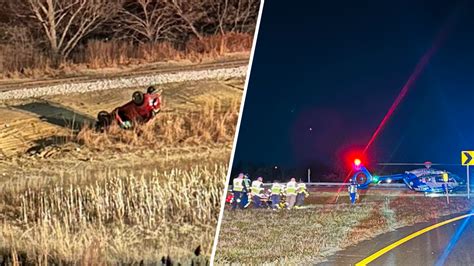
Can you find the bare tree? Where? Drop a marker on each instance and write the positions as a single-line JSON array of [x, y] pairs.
[[191, 13], [152, 20], [233, 15], [225, 16], [66, 22], [245, 15], [222, 11]]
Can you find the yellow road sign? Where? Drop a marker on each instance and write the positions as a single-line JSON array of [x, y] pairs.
[[467, 158]]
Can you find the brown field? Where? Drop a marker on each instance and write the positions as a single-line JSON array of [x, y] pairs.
[[308, 236], [69, 194]]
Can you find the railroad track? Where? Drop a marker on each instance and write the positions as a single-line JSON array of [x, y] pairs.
[[15, 85]]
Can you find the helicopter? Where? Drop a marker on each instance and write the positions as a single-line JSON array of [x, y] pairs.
[[426, 180]]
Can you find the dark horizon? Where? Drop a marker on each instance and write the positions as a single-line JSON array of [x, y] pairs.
[[324, 76]]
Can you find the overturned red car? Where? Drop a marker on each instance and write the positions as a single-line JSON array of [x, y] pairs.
[[141, 109]]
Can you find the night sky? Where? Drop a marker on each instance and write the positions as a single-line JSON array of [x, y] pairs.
[[326, 72]]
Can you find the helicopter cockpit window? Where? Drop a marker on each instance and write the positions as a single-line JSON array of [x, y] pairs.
[[426, 179]]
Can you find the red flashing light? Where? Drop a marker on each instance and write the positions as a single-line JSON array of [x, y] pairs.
[[357, 162], [353, 158]]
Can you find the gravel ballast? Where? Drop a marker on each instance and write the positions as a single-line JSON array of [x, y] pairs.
[[116, 83]]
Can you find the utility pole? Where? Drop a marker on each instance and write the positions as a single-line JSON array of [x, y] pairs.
[[467, 159]]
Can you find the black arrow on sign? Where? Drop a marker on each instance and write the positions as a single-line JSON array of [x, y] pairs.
[[469, 157]]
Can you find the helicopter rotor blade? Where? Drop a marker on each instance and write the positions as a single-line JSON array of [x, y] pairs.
[[402, 164]]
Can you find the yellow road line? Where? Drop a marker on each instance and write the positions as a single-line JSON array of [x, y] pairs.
[[408, 238]]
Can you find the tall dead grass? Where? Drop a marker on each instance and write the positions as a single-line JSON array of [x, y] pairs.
[[213, 122], [119, 217], [177, 196], [17, 61], [97, 54]]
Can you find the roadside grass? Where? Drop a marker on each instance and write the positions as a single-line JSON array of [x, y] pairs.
[[307, 236], [115, 217]]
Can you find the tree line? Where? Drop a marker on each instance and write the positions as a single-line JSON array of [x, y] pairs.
[[57, 27]]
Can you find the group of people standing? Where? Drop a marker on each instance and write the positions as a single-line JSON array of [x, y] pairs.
[[289, 195]]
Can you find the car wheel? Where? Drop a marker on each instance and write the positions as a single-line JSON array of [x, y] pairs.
[[151, 90], [138, 98], [103, 119]]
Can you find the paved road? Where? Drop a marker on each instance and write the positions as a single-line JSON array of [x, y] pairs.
[[450, 244]]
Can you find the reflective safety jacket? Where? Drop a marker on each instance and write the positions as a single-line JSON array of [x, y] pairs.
[[291, 188], [276, 189], [256, 188], [246, 181], [352, 189], [445, 177], [301, 188], [238, 184]]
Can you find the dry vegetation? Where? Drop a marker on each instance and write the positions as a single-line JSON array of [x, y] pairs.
[[308, 236], [17, 62], [116, 216], [116, 53], [130, 214], [52, 37], [212, 123]]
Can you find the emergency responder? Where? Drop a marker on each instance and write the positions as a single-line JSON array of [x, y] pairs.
[[238, 187], [353, 191], [246, 191], [291, 193], [257, 192], [445, 180], [275, 195], [445, 185], [301, 193]]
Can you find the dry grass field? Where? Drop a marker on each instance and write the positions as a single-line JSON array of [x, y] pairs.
[[307, 236], [115, 216], [71, 195]]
